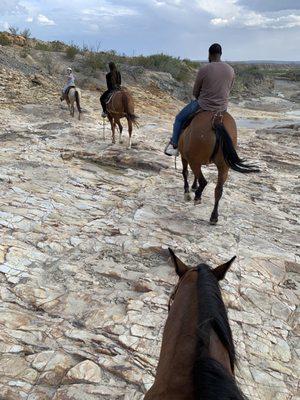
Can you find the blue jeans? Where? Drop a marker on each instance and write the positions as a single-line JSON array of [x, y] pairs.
[[181, 118]]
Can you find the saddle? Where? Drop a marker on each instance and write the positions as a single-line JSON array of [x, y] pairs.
[[110, 96], [216, 119]]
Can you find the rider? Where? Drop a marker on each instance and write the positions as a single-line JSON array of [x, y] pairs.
[[211, 91], [113, 81], [70, 82]]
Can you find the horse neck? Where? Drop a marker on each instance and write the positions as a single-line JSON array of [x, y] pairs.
[[174, 378]]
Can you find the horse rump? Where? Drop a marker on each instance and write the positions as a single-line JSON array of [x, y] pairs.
[[128, 108], [213, 382], [229, 153]]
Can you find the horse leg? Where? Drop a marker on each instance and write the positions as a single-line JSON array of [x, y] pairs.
[[222, 176], [185, 174], [195, 185], [120, 131], [129, 131], [113, 128], [202, 183]]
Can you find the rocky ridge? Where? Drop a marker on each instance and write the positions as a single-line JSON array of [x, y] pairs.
[[84, 230]]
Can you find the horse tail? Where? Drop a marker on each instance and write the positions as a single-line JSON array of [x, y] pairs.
[[229, 153], [77, 99], [128, 109], [212, 381]]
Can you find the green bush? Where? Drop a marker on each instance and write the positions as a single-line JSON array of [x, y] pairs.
[[4, 41], [71, 52], [43, 46], [56, 45], [94, 61], [178, 68]]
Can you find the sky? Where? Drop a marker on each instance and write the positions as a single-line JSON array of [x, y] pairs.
[[246, 29]]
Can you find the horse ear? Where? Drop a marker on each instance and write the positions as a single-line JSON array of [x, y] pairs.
[[221, 270], [180, 267]]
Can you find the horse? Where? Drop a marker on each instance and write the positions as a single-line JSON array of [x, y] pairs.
[[197, 356], [74, 95], [210, 138], [121, 105]]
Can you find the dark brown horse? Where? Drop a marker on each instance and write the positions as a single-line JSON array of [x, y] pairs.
[[210, 138], [121, 105], [197, 356]]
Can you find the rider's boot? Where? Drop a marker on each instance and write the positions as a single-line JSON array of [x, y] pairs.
[[171, 149]]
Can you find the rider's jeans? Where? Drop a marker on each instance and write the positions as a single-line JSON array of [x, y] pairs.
[[180, 119]]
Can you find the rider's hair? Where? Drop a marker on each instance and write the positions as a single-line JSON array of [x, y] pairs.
[[215, 49], [113, 71]]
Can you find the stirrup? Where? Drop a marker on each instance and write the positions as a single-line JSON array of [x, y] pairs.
[[170, 151]]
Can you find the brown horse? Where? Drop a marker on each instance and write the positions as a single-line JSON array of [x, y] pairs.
[[197, 356], [121, 105], [210, 138]]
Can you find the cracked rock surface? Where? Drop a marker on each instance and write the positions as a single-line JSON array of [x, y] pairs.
[[85, 226]]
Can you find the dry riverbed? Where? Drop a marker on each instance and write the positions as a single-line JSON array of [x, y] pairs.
[[85, 226]]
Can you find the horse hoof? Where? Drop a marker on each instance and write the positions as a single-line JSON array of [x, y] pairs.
[[197, 201], [194, 189], [213, 221], [187, 196]]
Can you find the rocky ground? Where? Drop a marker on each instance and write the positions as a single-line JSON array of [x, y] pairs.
[[85, 225]]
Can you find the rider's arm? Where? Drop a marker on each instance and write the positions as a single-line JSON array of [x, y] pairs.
[[198, 83]]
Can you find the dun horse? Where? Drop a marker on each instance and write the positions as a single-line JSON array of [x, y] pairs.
[[197, 356], [73, 97], [210, 138], [119, 106]]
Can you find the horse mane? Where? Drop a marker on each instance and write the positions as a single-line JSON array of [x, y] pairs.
[[211, 379]]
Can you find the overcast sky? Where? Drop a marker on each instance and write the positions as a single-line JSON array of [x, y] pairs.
[[247, 29]]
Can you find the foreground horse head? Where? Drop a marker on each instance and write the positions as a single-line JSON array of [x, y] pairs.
[[121, 105], [74, 96], [197, 356], [210, 138]]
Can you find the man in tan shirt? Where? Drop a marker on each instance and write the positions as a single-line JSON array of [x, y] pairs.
[[211, 90]]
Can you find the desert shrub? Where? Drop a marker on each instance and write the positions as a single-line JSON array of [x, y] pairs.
[[14, 30], [26, 33], [43, 46], [4, 40], [56, 45], [163, 63], [94, 61], [71, 51]]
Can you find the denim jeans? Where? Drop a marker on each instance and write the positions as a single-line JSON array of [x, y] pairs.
[[180, 119]]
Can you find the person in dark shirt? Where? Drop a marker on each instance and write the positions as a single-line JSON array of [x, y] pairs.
[[113, 81]]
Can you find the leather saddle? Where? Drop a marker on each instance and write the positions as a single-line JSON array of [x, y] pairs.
[[216, 119], [110, 96]]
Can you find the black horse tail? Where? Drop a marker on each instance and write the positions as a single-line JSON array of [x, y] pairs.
[[229, 153], [129, 110], [77, 101]]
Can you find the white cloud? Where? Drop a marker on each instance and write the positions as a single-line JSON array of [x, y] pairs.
[[29, 19], [43, 20], [231, 13]]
